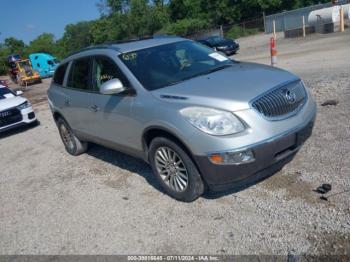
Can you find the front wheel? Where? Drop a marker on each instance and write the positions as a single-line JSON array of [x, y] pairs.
[[175, 170]]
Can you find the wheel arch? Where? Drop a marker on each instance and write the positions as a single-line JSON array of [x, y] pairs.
[[56, 115], [156, 131]]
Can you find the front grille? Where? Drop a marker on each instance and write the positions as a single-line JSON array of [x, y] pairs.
[[10, 116], [281, 102]]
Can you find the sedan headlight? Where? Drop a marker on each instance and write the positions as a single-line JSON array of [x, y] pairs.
[[24, 105], [213, 121]]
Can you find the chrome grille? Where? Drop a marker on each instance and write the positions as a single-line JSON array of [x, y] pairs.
[[281, 102], [10, 116]]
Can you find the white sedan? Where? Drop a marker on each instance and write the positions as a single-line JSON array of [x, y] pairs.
[[14, 110]]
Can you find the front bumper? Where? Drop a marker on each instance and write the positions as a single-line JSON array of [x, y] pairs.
[[28, 117], [270, 156], [230, 51]]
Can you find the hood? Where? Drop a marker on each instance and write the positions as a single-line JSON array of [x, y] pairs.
[[230, 89], [11, 102]]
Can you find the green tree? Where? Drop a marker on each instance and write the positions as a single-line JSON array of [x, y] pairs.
[[108, 7], [108, 29], [43, 43], [187, 26], [76, 36], [14, 45], [4, 52]]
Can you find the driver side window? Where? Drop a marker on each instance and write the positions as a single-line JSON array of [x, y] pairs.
[[104, 70]]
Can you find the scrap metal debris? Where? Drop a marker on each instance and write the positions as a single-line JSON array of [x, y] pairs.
[[324, 189], [330, 102]]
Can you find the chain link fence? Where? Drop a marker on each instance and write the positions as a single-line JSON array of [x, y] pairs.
[[289, 22], [293, 21], [233, 31]]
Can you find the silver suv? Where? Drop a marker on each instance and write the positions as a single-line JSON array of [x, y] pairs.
[[201, 120]]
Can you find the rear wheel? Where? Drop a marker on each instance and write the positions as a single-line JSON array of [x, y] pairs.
[[175, 170], [72, 144]]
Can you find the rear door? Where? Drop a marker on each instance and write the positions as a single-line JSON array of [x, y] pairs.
[[78, 94]]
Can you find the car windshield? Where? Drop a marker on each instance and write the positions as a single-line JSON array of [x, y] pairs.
[[6, 93], [170, 64]]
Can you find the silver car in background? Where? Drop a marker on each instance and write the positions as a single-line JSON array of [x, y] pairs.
[[201, 120]]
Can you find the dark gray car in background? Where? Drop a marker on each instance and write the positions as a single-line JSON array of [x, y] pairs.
[[220, 44], [201, 120]]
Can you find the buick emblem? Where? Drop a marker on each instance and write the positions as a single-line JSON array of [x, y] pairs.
[[290, 96]]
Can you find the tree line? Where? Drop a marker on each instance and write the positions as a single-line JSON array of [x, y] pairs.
[[125, 19]]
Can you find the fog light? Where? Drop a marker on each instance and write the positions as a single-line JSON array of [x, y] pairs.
[[31, 115], [235, 158]]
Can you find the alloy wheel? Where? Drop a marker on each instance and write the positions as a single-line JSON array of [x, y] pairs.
[[171, 168], [67, 137]]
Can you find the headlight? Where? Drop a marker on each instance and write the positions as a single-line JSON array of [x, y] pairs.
[[213, 121], [24, 105]]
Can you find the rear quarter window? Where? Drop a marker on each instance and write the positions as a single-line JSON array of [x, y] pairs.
[[59, 74]]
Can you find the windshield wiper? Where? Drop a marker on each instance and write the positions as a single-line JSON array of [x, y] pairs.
[[201, 74]]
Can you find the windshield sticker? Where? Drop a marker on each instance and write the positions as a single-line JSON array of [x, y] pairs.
[[218, 57], [8, 95], [129, 56]]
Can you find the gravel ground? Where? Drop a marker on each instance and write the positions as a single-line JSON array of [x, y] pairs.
[[105, 202]]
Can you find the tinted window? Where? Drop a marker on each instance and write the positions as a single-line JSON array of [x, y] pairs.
[[104, 70], [79, 76], [59, 74]]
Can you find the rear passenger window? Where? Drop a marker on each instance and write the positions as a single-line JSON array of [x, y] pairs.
[[79, 76], [59, 74], [104, 70]]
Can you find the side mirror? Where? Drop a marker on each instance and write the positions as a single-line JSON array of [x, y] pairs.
[[113, 86], [18, 93]]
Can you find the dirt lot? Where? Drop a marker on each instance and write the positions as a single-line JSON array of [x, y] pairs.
[[105, 202]]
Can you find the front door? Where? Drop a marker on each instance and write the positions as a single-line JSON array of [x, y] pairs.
[[111, 113]]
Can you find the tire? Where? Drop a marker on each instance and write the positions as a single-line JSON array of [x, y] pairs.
[[72, 144], [175, 186]]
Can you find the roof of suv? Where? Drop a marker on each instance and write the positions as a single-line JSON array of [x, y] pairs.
[[133, 45], [142, 44]]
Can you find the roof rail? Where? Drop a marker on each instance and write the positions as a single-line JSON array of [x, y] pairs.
[[111, 44], [103, 46], [129, 40]]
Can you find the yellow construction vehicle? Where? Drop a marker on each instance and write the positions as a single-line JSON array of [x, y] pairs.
[[22, 73]]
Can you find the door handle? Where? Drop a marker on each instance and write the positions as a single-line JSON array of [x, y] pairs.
[[94, 108], [67, 102]]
